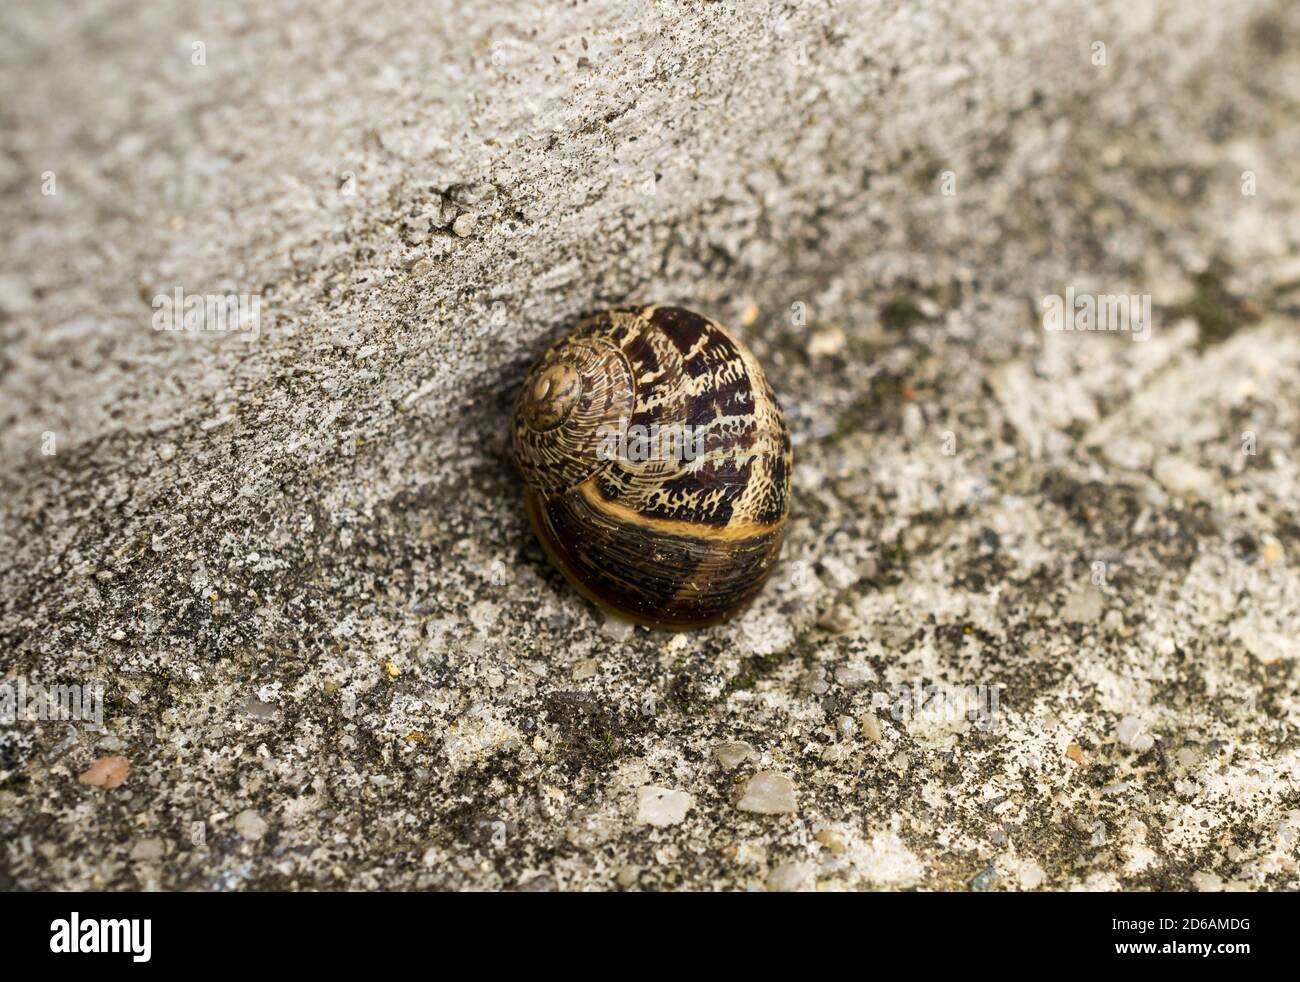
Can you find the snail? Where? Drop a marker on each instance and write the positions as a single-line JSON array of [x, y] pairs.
[[656, 465]]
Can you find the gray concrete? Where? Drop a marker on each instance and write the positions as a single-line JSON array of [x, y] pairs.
[[333, 655]]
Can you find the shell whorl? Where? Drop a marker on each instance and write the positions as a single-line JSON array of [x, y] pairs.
[[581, 387], [683, 528]]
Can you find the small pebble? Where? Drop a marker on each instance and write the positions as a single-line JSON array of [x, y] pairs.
[[539, 884], [1083, 606], [147, 850], [250, 825], [1031, 874], [814, 682], [676, 645], [854, 676], [661, 806], [254, 707], [1272, 554], [731, 755], [768, 793], [1206, 882], [832, 839], [789, 877], [106, 773], [483, 615], [616, 628], [1182, 477], [1132, 733], [464, 224], [828, 342]]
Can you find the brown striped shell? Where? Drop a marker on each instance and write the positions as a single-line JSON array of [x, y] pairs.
[[656, 465]]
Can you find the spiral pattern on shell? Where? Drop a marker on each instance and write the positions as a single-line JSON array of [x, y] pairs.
[[656, 464]]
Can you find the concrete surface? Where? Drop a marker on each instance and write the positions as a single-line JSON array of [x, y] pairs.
[[333, 655]]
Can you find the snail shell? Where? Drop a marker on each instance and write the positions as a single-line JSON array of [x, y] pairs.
[[656, 464]]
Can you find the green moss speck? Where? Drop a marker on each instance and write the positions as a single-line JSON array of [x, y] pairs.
[[1217, 310], [901, 313]]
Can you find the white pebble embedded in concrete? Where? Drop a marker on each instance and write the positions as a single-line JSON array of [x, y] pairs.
[[464, 225], [661, 806], [768, 793], [250, 825], [1132, 733], [731, 755]]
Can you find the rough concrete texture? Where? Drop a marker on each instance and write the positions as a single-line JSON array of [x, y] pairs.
[[334, 655]]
